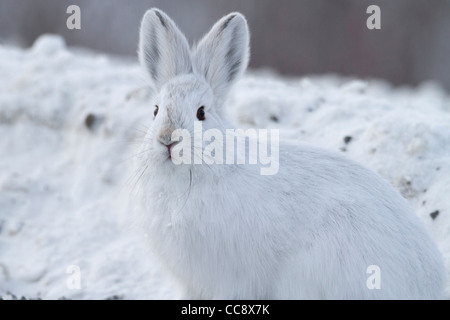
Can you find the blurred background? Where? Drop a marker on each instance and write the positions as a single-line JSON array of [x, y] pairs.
[[293, 37]]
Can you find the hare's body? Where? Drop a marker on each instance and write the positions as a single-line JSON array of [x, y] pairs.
[[282, 237], [322, 227]]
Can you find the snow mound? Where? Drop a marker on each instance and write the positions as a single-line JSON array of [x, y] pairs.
[[48, 44], [69, 123]]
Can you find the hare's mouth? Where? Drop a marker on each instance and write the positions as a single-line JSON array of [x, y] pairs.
[[169, 149]]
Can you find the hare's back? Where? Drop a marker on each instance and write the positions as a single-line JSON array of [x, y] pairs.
[[348, 214]]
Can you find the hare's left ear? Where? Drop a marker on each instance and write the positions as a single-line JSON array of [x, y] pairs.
[[163, 49], [222, 55]]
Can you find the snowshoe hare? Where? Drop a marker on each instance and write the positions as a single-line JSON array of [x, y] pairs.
[[322, 227]]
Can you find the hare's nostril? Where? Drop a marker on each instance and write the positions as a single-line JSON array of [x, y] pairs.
[[165, 135], [164, 139]]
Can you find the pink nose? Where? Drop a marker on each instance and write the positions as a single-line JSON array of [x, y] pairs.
[[169, 146]]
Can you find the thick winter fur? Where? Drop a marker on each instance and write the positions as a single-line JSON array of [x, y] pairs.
[[227, 232]]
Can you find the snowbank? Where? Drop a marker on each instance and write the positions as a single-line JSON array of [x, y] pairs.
[[69, 124]]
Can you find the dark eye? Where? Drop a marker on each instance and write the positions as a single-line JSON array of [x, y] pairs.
[[156, 110], [201, 113]]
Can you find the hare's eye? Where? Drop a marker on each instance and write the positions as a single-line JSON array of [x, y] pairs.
[[156, 110], [201, 113]]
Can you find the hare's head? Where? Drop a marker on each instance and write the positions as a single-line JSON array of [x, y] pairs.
[[190, 84]]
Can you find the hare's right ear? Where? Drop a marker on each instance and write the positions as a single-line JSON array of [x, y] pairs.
[[163, 49]]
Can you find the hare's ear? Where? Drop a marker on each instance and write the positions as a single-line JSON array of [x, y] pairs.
[[163, 49], [222, 55]]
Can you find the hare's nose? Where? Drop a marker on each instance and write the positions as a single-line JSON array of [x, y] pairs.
[[165, 136], [166, 139], [170, 146]]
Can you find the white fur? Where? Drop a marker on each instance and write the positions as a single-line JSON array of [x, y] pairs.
[[226, 232]]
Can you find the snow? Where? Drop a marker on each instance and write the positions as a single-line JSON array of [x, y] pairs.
[[70, 122]]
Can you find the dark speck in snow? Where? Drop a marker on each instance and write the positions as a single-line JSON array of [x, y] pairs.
[[115, 297], [434, 214], [348, 139], [89, 121]]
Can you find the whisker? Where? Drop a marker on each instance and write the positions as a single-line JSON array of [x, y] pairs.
[[188, 191], [139, 178]]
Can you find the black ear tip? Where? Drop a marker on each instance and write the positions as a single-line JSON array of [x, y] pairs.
[[227, 21], [160, 17], [237, 18]]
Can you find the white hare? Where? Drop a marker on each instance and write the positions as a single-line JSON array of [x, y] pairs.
[[311, 231]]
